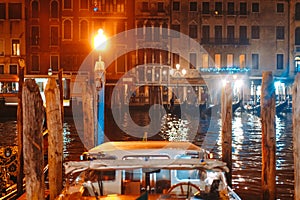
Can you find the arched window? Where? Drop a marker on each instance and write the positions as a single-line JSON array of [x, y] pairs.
[[297, 36], [54, 9], [83, 30], [67, 29], [35, 9], [297, 11]]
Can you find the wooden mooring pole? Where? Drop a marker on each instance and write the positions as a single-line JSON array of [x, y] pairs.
[[268, 173], [61, 92], [296, 135], [20, 168], [88, 115], [33, 116], [226, 115], [55, 138]]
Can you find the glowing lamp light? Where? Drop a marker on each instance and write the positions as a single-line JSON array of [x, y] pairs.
[[183, 71], [50, 71], [177, 66], [100, 40]]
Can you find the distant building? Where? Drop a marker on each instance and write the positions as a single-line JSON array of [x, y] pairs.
[[243, 38]]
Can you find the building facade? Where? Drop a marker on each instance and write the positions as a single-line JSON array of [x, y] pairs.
[[12, 44], [241, 38]]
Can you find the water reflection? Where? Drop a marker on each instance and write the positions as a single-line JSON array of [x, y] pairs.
[[246, 146]]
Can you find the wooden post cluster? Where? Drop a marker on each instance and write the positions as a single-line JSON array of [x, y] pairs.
[[55, 137], [268, 137], [296, 135], [226, 115], [33, 116]]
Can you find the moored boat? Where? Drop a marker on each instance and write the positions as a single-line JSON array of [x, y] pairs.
[[156, 169]]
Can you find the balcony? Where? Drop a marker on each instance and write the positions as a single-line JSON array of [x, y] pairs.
[[224, 41]]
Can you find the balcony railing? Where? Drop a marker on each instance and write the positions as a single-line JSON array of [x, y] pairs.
[[225, 41]]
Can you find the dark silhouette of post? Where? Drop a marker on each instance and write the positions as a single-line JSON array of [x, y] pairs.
[[268, 173], [55, 138], [226, 115], [296, 135], [33, 117], [20, 176]]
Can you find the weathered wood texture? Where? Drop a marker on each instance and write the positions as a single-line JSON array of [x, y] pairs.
[[33, 116], [55, 138], [296, 135], [88, 115], [226, 115], [61, 92], [20, 169], [268, 137]]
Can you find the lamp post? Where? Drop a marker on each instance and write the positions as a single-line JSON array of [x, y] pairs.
[[99, 78]]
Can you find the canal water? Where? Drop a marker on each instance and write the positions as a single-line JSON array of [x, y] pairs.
[[246, 144]]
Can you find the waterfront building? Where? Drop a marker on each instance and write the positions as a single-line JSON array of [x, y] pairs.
[[12, 46], [240, 40]]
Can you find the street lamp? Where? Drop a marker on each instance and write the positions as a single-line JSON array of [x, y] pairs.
[[99, 78]]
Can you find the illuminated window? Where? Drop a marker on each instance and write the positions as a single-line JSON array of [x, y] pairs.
[[229, 60], [242, 60], [205, 60], [15, 47], [217, 60]]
